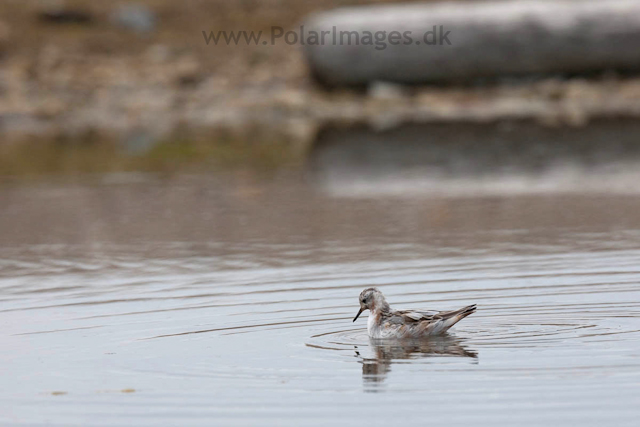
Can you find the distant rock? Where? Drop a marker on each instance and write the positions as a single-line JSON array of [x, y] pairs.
[[65, 16], [467, 42], [135, 17], [386, 90]]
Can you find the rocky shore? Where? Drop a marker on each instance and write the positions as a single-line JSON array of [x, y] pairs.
[[123, 72]]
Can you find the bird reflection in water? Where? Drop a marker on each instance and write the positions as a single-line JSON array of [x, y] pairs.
[[387, 352]]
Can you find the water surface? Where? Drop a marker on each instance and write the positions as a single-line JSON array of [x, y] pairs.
[[134, 299]]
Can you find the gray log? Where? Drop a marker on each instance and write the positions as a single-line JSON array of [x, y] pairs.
[[488, 39]]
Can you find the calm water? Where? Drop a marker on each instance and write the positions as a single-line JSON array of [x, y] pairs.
[[215, 300]]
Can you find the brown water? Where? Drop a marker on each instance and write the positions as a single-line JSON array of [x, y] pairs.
[[203, 300]]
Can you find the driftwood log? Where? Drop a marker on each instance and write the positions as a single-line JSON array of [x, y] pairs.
[[460, 42]]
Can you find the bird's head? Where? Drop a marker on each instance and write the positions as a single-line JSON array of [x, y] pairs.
[[371, 299]]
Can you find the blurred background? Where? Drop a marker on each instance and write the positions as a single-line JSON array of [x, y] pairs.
[[127, 86], [185, 226]]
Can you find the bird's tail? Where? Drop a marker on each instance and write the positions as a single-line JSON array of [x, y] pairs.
[[452, 317]]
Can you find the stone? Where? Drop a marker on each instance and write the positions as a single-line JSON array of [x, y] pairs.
[[65, 16], [467, 42], [135, 17]]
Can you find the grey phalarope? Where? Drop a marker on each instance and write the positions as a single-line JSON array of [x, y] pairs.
[[385, 322]]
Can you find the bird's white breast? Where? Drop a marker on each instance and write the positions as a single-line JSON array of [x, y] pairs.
[[372, 328]]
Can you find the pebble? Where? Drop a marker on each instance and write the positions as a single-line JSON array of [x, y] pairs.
[[135, 17]]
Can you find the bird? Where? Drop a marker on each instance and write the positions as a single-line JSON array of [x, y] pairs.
[[385, 322]]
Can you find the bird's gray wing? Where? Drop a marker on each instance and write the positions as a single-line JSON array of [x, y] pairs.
[[412, 316]]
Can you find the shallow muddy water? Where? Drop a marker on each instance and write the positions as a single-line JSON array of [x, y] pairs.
[[137, 300]]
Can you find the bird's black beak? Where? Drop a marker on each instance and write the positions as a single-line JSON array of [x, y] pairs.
[[358, 315]]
